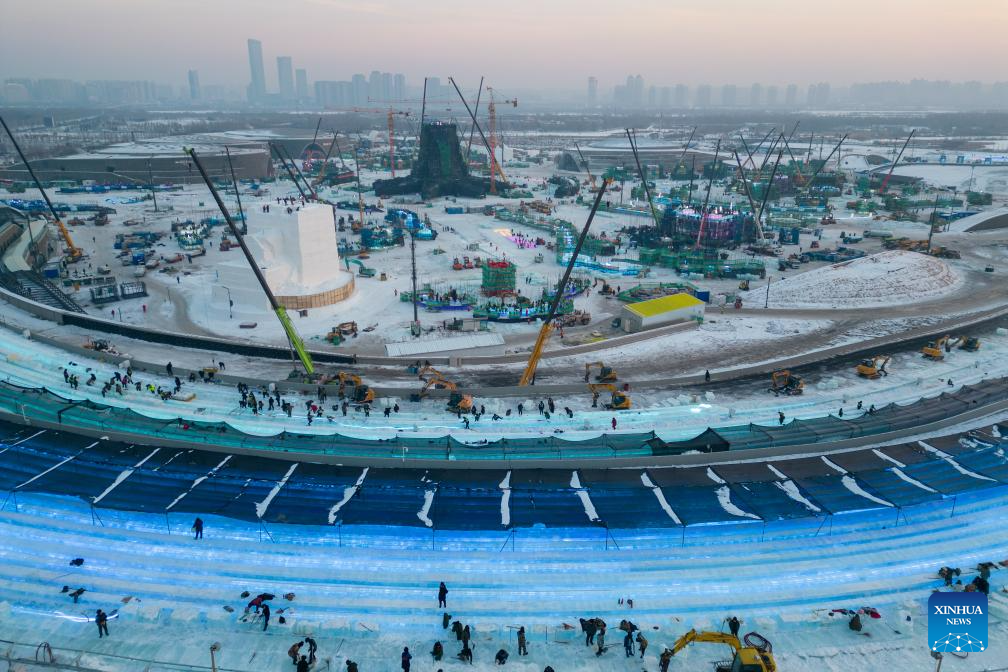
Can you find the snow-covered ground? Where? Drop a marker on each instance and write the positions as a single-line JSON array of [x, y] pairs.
[[673, 414], [883, 279]]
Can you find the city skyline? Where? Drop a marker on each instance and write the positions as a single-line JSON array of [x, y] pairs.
[[863, 50]]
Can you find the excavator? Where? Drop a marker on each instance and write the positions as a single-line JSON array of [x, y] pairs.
[[784, 382], [606, 374], [362, 394], [428, 372], [969, 343], [457, 402], [873, 368], [620, 401], [756, 655], [935, 350]]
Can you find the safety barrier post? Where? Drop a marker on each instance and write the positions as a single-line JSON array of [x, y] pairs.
[[954, 500]]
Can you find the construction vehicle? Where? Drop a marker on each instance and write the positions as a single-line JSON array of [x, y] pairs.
[[784, 382], [619, 401], [361, 394], [606, 374], [456, 265], [755, 656], [457, 402], [744, 285], [340, 332], [969, 343], [363, 271], [873, 368], [935, 350], [73, 253], [575, 318], [428, 372]]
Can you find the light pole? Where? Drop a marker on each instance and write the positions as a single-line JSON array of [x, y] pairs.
[[769, 280], [214, 648], [230, 303], [415, 329]]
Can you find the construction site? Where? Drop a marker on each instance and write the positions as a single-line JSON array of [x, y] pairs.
[[448, 346]]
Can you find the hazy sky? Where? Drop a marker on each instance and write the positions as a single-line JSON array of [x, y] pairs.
[[517, 44]]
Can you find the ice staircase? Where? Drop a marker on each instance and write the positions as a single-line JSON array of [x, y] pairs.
[[729, 570]]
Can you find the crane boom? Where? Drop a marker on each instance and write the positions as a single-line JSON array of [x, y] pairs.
[[885, 182], [584, 163], [297, 345], [74, 252], [493, 157], [643, 177], [547, 327]]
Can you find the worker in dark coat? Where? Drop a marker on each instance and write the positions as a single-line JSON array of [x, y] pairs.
[[101, 618], [442, 595], [302, 664], [197, 527], [733, 624], [589, 629], [406, 658], [266, 615]]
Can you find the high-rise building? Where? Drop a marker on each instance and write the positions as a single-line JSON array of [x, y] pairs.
[[665, 97], [791, 95], [592, 92], [637, 91], [756, 95], [399, 86], [360, 89], [301, 83], [285, 77], [257, 87], [703, 95], [194, 87], [681, 95], [375, 86], [771, 96], [729, 95]]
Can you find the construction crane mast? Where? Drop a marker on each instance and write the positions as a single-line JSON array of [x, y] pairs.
[[492, 128], [73, 253], [392, 114], [547, 326], [885, 182], [296, 344]]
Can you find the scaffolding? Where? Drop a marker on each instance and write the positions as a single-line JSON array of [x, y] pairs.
[[498, 278]]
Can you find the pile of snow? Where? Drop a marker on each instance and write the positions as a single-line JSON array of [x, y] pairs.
[[882, 279]]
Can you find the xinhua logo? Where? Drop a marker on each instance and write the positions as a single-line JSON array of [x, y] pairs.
[[957, 622]]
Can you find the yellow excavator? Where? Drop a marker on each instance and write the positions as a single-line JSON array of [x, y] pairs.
[[362, 394], [873, 368], [619, 401], [785, 382], [428, 372], [935, 350], [606, 374], [457, 402], [756, 657]]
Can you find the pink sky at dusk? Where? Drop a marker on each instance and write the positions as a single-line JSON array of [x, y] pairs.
[[515, 43]]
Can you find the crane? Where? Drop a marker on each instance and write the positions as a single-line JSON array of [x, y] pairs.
[[632, 137], [703, 212], [547, 326], [73, 253], [392, 114], [486, 143], [584, 163], [296, 344], [885, 182], [492, 128]]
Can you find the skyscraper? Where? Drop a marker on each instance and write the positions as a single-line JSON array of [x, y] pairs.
[[756, 95], [771, 96], [729, 95], [791, 95], [681, 96], [257, 87], [194, 87], [703, 95], [301, 83], [285, 77], [360, 89], [399, 86], [592, 92]]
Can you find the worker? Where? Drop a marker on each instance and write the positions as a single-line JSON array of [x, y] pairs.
[[733, 624], [614, 423], [706, 376], [780, 417]]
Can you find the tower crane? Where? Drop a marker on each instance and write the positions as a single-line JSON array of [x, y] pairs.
[[73, 253], [584, 163], [492, 128], [392, 114], [885, 182]]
